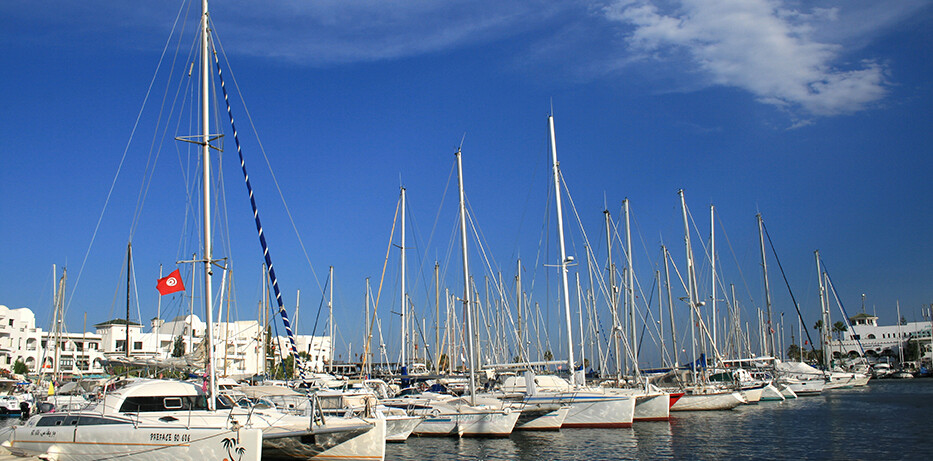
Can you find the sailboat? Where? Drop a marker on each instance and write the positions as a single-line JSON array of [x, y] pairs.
[[469, 416], [146, 419], [588, 407]]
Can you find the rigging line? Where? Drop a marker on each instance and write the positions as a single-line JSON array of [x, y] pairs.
[[262, 149], [735, 259], [262, 238], [786, 283], [382, 277], [126, 150], [845, 315], [147, 181], [440, 207]]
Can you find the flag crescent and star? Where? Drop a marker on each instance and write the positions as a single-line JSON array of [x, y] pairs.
[[170, 284]]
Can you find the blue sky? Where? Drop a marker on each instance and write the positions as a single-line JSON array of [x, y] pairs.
[[815, 114]]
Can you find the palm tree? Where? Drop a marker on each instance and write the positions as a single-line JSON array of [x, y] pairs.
[[839, 328], [818, 325]]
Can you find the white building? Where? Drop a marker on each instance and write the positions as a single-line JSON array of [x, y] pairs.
[[87, 353], [877, 340], [20, 340]]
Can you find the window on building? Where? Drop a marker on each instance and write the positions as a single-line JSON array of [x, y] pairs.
[[79, 346], [120, 345], [856, 337], [137, 345], [66, 363], [871, 336], [11, 322]]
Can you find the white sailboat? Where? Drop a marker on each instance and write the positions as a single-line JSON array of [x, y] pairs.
[[589, 407], [161, 419]]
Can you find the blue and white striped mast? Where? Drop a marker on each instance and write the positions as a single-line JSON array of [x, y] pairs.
[[293, 348]]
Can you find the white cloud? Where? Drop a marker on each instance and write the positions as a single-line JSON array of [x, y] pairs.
[[324, 32], [760, 46]]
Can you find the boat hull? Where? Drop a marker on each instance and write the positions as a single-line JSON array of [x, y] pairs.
[[94, 442], [771, 394], [709, 402]]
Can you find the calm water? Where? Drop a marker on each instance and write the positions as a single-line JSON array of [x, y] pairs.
[[881, 421]]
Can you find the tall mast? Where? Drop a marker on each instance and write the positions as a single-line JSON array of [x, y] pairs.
[[437, 319], [518, 304], [466, 279], [206, 200], [630, 288], [691, 285], [764, 267], [330, 316], [129, 268], [404, 304], [670, 307], [712, 260], [367, 332], [824, 315], [613, 299], [563, 251], [582, 336]]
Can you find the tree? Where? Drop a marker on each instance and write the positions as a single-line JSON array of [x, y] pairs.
[[839, 328], [818, 325], [548, 355], [793, 351], [444, 363], [20, 368], [178, 349]]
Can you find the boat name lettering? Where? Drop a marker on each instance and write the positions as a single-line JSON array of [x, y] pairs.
[[43, 432], [168, 437]]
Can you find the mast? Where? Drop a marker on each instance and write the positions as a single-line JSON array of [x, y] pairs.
[[404, 304], [466, 279], [330, 316], [670, 306], [712, 261], [206, 201], [764, 267], [630, 288], [129, 266], [582, 336], [437, 319], [368, 333], [613, 299], [564, 260], [824, 315], [900, 340], [518, 296], [691, 285]]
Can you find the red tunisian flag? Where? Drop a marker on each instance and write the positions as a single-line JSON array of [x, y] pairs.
[[170, 284]]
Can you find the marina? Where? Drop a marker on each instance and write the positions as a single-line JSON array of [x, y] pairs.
[[658, 327], [859, 423]]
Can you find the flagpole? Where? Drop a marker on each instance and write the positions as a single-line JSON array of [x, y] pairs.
[[159, 307]]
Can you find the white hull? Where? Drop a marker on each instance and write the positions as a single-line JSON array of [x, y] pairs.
[[771, 394], [709, 402], [592, 410], [550, 421], [339, 439], [495, 423], [398, 428], [653, 407], [752, 395], [94, 442], [806, 387], [786, 391]]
